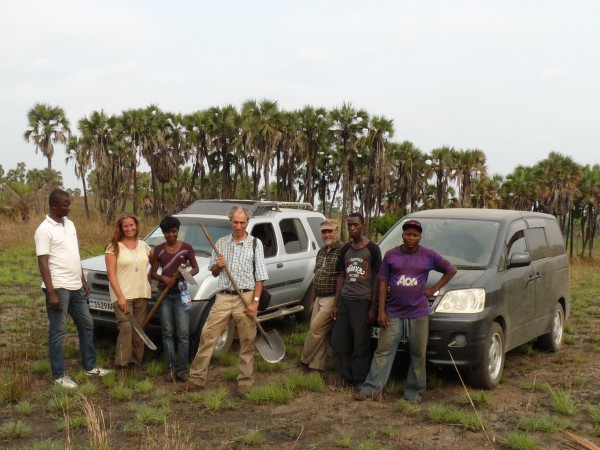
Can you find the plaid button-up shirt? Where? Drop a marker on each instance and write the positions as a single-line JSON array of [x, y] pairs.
[[239, 259], [326, 272]]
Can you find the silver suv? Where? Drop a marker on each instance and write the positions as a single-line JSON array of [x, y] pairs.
[[290, 236]]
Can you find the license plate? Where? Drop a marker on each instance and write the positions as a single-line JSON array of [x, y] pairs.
[[375, 332], [100, 305]]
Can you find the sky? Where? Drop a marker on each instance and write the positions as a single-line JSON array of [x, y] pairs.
[[516, 79]]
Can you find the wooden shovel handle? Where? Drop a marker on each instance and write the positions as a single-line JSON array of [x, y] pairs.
[[158, 302]]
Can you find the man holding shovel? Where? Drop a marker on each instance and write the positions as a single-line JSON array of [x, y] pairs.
[[237, 254]]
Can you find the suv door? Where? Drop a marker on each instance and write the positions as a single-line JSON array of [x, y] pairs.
[[273, 259], [518, 291], [294, 249], [545, 298]]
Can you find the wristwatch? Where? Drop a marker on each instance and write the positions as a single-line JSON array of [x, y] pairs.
[[256, 299]]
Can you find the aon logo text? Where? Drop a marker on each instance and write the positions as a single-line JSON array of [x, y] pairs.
[[406, 281]]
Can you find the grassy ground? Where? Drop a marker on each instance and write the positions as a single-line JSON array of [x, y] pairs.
[[544, 400]]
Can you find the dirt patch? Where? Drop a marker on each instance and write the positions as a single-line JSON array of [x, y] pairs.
[[331, 419]]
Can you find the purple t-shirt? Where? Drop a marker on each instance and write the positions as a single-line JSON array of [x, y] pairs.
[[170, 261], [407, 275]]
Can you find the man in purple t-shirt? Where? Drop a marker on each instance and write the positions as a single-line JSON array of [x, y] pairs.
[[404, 270]]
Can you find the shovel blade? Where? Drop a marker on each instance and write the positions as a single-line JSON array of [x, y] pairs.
[[270, 346]]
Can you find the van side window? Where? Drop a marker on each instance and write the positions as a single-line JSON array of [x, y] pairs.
[[294, 237], [538, 245], [266, 234], [517, 244]]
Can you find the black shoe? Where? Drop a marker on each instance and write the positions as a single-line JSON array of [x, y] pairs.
[[183, 375], [171, 376]]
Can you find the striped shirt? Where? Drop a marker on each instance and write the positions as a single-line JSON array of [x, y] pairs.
[[239, 259]]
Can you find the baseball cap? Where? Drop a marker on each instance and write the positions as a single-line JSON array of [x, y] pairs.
[[329, 224], [413, 224]]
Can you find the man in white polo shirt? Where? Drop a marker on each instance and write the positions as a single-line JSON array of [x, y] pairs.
[[57, 250]]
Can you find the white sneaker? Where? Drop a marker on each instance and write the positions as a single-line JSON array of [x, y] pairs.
[[98, 371], [66, 381]]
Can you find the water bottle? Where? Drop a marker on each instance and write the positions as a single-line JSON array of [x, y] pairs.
[[185, 295]]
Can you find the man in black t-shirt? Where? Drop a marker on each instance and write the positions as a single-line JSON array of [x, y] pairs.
[[355, 303]]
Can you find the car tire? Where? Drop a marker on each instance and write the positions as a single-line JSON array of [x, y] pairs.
[[552, 341], [305, 314], [487, 375], [224, 341]]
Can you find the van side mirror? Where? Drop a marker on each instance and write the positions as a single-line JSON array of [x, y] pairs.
[[519, 260]]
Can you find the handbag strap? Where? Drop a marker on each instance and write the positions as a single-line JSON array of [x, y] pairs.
[[254, 256]]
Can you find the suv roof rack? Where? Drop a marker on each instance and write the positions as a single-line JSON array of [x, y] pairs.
[[256, 207]]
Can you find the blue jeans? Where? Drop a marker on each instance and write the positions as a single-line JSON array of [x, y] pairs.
[[381, 366], [175, 321], [75, 305]]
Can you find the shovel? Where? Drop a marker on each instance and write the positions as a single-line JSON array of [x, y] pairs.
[[269, 345]]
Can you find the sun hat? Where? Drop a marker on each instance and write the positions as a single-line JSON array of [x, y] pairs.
[[329, 224]]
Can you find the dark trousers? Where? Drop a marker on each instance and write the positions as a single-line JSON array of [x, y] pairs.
[[351, 340]]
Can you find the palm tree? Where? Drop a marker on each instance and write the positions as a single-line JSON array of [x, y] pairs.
[[589, 205], [558, 178], [223, 127], [198, 139], [442, 167], [48, 125], [314, 138], [486, 192], [132, 127], [80, 155], [470, 166], [410, 168], [263, 123], [379, 169], [519, 189], [98, 135], [348, 126]]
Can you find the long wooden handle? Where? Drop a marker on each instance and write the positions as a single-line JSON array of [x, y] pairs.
[[156, 305], [237, 290]]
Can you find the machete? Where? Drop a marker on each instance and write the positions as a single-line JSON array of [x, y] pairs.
[[138, 330]]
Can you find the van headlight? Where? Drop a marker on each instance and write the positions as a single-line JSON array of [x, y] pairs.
[[462, 301]]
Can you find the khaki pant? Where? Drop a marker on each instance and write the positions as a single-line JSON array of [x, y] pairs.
[[225, 307], [130, 346], [315, 345]]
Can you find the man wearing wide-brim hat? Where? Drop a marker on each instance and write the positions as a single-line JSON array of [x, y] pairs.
[[323, 296]]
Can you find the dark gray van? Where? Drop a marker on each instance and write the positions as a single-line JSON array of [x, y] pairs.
[[512, 286]]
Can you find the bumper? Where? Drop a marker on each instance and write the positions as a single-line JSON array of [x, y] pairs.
[[461, 335]]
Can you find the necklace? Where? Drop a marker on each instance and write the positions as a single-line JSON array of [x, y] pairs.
[[134, 255]]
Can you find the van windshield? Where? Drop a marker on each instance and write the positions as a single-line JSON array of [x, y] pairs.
[[468, 244]]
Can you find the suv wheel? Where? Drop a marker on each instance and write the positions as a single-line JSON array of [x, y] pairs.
[[487, 375], [553, 340]]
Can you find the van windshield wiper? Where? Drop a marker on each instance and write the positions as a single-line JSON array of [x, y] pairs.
[[471, 267]]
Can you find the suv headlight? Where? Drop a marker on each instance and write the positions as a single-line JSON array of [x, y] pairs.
[[462, 301], [85, 273]]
